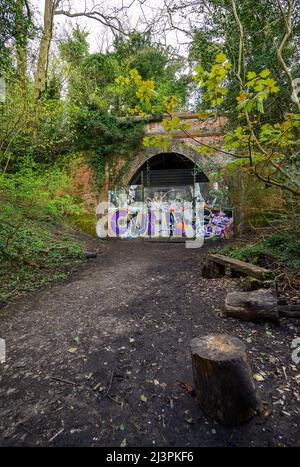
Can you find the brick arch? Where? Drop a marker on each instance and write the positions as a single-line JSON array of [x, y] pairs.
[[200, 160]]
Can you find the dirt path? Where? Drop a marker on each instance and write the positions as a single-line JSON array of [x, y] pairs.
[[130, 314]]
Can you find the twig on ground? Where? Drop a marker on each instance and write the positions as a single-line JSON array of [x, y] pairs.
[[108, 389], [57, 434], [63, 380]]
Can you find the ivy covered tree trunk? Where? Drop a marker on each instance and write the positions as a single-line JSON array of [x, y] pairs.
[[21, 52], [43, 55]]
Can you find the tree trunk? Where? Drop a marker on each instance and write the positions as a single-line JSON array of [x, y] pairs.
[[224, 386], [21, 53], [22, 68], [43, 55], [248, 306]]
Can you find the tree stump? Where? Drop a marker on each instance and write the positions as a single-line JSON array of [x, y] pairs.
[[251, 306], [224, 385]]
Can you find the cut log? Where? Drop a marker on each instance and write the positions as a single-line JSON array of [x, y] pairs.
[[252, 306], [289, 311], [241, 266], [224, 385]]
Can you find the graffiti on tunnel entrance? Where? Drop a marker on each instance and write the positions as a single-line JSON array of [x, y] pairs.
[[154, 212], [165, 212]]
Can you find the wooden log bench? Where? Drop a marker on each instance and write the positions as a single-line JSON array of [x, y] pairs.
[[224, 385], [251, 306], [215, 267], [259, 304]]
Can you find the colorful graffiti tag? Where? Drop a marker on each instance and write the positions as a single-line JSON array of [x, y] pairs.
[[218, 223], [163, 212], [156, 212]]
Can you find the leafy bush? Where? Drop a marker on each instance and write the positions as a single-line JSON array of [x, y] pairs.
[[105, 137], [28, 199], [35, 247]]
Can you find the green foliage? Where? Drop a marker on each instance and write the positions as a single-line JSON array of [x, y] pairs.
[[22, 137], [259, 145], [47, 255], [97, 161], [31, 196], [159, 141], [34, 250], [203, 48], [85, 221], [263, 27], [16, 27], [258, 89], [85, 118], [212, 82], [152, 102], [153, 62], [92, 76], [104, 136], [75, 48], [282, 134], [284, 247], [139, 52]]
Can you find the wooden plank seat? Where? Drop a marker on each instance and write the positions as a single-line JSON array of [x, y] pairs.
[[215, 266]]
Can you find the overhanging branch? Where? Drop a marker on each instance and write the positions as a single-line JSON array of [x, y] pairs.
[[107, 21]]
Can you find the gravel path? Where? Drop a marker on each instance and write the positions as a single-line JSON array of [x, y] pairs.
[[96, 360]]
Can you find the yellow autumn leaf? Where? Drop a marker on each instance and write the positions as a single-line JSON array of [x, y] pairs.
[[220, 58]]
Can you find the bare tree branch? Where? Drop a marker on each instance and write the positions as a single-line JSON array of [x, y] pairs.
[[96, 15]]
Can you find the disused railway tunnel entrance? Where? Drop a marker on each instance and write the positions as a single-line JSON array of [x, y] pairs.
[[168, 196], [168, 169]]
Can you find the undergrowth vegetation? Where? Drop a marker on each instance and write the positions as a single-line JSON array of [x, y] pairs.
[[282, 248], [35, 243]]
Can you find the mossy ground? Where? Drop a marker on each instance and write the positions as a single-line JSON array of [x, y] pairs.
[[85, 222]]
